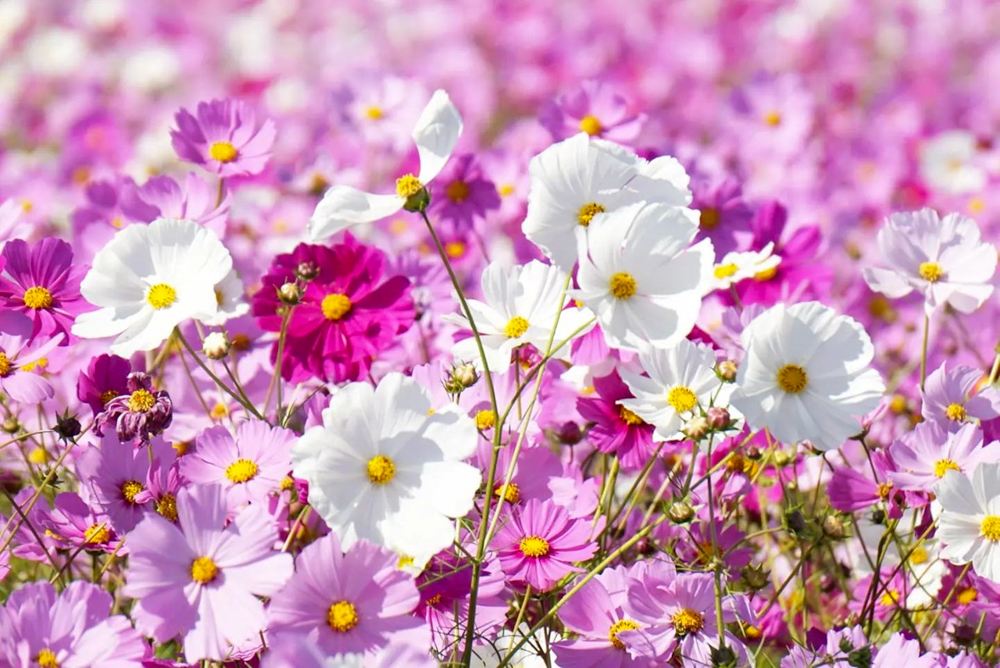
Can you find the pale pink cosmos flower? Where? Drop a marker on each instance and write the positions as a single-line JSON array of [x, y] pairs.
[[928, 452]]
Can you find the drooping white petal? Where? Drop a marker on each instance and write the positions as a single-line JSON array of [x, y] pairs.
[[343, 206], [436, 133]]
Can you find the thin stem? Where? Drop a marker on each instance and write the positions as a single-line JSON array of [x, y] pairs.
[[923, 352], [222, 386]]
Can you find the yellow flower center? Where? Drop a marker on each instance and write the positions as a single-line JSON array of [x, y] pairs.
[[516, 327], [38, 456], [709, 219], [454, 249], [287, 483], [374, 113], [433, 600], [772, 118], [130, 488], [534, 546], [955, 412], [219, 411], [335, 306], [203, 570], [890, 598], [404, 561], [629, 418], [942, 466], [222, 151], [622, 285], [342, 616], [990, 529], [725, 270], [381, 469], [919, 556], [682, 399], [967, 595], [485, 419], [161, 295], [141, 401], [167, 507], [591, 125], [6, 366], [47, 659], [930, 272], [513, 494], [97, 534], [619, 626], [242, 470], [767, 274], [588, 211], [687, 621], [108, 395], [37, 298], [792, 378], [457, 191], [884, 490], [408, 185]]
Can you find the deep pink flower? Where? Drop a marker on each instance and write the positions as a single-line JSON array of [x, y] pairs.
[[224, 137], [540, 544], [725, 216], [105, 378], [43, 283], [139, 414], [461, 194], [616, 429]]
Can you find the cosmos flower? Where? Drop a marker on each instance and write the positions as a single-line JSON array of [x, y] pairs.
[[950, 397], [150, 278], [969, 521], [43, 283], [739, 266], [74, 524], [806, 375], [925, 454], [461, 194], [436, 133], [113, 473], [223, 136], [105, 378], [595, 108], [617, 430], [20, 353], [140, 413], [951, 162]]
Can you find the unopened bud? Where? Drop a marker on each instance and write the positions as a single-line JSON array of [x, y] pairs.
[[11, 425], [781, 458], [718, 417], [833, 527], [755, 576], [307, 271], [289, 293], [570, 433], [727, 370], [215, 346], [465, 375], [696, 428], [680, 512], [752, 452], [67, 427]]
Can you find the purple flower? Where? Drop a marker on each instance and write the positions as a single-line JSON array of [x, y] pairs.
[[461, 194], [43, 283], [595, 108], [725, 216], [72, 629], [106, 377], [345, 603], [74, 524], [223, 137], [616, 430], [949, 398], [141, 413], [201, 579], [541, 543], [20, 354], [163, 197]]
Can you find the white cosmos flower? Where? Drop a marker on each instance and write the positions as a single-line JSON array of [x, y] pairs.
[[150, 278], [579, 177], [640, 275], [436, 133], [229, 296], [969, 521], [383, 464], [739, 266], [806, 375], [679, 380], [948, 162], [520, 308]]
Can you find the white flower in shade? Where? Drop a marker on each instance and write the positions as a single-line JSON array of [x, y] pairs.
[[150, 278], [384, 464], [229, 297], [679, 379], [806, 375], [969, 521], [520, 308], [640, 275], [944, 259], [436, 133], [579, 177], [948, 163], [739, 266]]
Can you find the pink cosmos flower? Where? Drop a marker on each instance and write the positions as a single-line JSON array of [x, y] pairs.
[[725, 216], [113, 474], [163, 197], [928, 452], [72, 629], [19, 354], [43, 283], [106, 377], [346, 603], [540, 544], [224, 137], [616, 430], [949, 397], [200, 579], [461, 194], [595, 108], [73, 524], [249, 466], [140, 413]]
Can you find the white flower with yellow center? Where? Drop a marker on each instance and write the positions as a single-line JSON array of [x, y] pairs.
[[969, 521], [436, 133], [680, 380], [739, 266], [150, 278], [951, 162], [806, 375], [640, 275], [383, 463], [580, 177], [520, 307]]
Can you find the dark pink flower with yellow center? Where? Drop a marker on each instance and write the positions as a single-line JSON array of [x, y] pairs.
[[106, 377], [224, 137], [140, 413], [43, 283], [461, 193], [616, 429], [540, 544]]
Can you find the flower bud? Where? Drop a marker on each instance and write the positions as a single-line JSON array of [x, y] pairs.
[[781, 458], [718, 417], [833, 527], [680, 512], [11, 425], [465, 375], [67, 427], [215, 346], [727, 370], [306, 271], [752, 452], [570, 433], [289, 293], [696, 428], [755, 576]]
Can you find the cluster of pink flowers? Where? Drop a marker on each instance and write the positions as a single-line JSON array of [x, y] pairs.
[[499, 334]]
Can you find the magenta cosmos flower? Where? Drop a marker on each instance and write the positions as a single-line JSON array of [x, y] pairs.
[[348, 314], [925, 454], [19, 356], [44, 284], [616, 429], [249, 467], [69, 630], [461, 193], [224, 137], [541, 543], [201, 579], [346, 603], [106, 377]]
